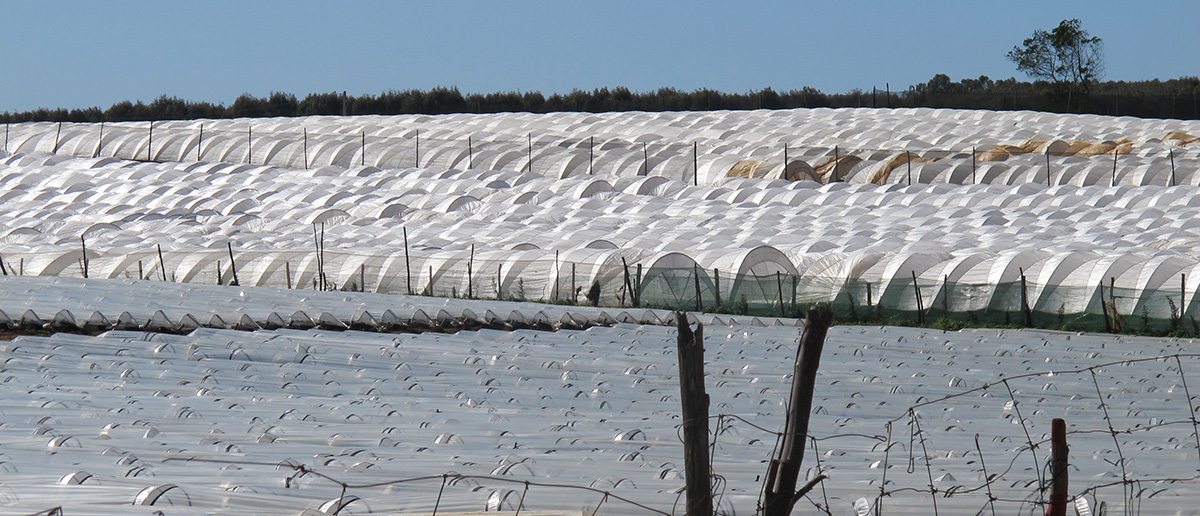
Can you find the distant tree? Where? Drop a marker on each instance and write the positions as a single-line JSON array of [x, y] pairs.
[[283, 104], [1067, 56]]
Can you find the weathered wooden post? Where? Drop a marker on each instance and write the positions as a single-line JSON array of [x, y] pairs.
[[779, 492], [697, 475], [1058, 468], [696, 276]]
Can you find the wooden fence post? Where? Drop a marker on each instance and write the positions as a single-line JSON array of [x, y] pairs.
[[697, 473], [1058, 468], [779, 493]]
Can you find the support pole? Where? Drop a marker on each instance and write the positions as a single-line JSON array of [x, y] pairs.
[[407, 264], [100, 142], [908, 161], [417, 163], [58, 133], [471, 273], [362, 156], [199, 142], [717, 285], [250, 145], [1025, 301], [973, 154], [1058, 468], [696, 466], [779, 493], [162, 266], [1172, 167], [695, 164], [232, 265], [628, 282], [591, 155], [1114, 173], [779, 284], [1048, 180], [287, 270], [920, 302], [1182, 294], [470, 154], [1104, 308], [149, 142], [835, 163], [305, 148], [83, 245], [530, 165], [637, 288], [645, 159], [696, 275]]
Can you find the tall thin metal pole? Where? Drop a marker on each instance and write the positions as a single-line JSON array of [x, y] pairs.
[[785, 161], [58, 133], [530, 165], [162, 265], [1114, 174], [200, 142], [470, 154], [836, 159], [6, 136], [591, 154], [908, 160], [83, 245], [695, 164], [362, 158], [306, 148], [100, 142], [973, 180], [1172, 167], [645, 160], [407, 264], [417, 159], [150, 142], [249, 145]]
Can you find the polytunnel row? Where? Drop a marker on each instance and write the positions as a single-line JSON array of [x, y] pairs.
[[644, 241], [92, 306], [856, 145], [99, 424]]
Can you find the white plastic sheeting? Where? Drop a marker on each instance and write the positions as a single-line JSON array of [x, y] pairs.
[[871, 145], [547, 239], [91, 423]]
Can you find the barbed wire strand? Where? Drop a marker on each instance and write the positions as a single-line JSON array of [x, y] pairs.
[[456, 476]]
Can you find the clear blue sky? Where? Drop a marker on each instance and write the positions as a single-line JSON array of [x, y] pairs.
[[88, 53]]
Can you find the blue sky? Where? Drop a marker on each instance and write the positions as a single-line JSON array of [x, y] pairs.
[[87, 53]]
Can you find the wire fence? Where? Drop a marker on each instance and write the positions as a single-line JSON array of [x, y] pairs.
[[1031, 161]]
